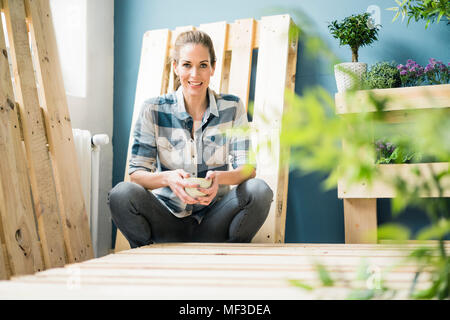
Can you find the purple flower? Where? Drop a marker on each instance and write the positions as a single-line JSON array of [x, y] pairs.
[[403, 73], [432, 60], [429, 68]]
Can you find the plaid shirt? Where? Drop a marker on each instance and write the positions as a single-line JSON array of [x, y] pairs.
[[162, 141]]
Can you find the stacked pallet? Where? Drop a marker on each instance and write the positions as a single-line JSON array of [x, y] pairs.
[[275, 66], [43, 221], [228, 271]]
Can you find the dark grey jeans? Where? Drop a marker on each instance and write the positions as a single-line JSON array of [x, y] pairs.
[[234, 218]]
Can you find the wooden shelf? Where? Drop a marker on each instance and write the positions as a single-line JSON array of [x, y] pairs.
[[402, 104], [408, 98], [382, 189]]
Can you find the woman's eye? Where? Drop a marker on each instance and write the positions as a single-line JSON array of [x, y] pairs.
[[186, 65], [203, 65]]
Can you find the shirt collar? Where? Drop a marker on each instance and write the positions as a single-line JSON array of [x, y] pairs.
[[181, 112]]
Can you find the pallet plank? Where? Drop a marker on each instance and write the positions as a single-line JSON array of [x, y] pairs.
[[270, 87], [59, 132], [218, 31], [242, 36], [381, 188], [139, 273], [406, 98], [154, 61], [175, 33], [16, 210], [38, 158]]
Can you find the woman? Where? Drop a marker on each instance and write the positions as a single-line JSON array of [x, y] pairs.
[[178, 135]]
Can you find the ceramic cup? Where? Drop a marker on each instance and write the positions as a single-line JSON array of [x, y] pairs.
[[193, 192]]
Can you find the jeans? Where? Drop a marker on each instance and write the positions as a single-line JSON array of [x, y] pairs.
[[236, 217]]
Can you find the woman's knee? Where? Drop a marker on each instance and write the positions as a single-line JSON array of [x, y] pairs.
[[123, 193], [259, 190]]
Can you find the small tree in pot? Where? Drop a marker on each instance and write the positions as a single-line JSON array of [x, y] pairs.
[[355, 31]]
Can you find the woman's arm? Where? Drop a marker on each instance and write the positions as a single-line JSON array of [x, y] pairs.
[[174, 179], [150, 180], [236, 176]]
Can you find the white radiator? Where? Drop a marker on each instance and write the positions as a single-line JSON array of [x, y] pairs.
[[88, 153]]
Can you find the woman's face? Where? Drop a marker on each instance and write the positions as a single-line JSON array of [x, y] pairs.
[[194, 69]]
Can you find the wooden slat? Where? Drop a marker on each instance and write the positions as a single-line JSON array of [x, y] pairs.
[[218, 31], [16, 210], [407, 98], [360, 220], [38, 158], [242, 34], [59, 132], [269, 102], [222, 271], [154, 60], [5, 270], [173, 38], [152, 72], [383, 188]]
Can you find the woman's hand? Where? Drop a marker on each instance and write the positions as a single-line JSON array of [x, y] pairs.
[[176, 182], [211, 192]]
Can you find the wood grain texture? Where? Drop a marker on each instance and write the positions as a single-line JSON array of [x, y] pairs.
[[59, 132], [270, 88], [19, 234], [360, 220], [406, 98], [223, 271], [35, 138]]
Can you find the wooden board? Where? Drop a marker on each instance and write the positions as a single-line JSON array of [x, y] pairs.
[[16, 210], [271, 74], [360, 220], [38, 157], [242, 36], [59, 132], [222, 271], [407, 98], [218, 31], [382, 187]]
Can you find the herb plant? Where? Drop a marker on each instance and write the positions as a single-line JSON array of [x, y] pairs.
[[382, 75]]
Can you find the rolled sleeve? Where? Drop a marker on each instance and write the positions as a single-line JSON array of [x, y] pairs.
[[143, 150]]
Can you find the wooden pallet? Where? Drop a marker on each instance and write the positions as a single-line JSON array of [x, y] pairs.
[[223, 271], [275, 72], [43, 221], [403, 105]]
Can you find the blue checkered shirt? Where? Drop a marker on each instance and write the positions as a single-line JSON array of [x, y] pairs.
[[162, 141]]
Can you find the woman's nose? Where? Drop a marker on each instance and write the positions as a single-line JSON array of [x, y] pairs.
[[194, 71]]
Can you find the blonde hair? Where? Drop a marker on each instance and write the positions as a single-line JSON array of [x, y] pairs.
[[192, 37]]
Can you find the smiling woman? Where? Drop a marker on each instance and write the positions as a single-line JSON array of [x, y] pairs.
[[176, 137]]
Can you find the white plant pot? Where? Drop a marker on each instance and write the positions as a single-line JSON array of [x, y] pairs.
[[349, 75]]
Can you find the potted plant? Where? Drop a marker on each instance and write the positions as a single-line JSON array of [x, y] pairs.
[[355, 31], [382, 75]]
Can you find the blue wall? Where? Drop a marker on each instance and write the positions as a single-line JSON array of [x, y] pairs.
[[312, 215]]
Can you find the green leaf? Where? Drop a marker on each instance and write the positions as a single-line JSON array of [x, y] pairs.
[[361, 294], [393, 231], [300, 284], [324, 276], [436, 231]]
